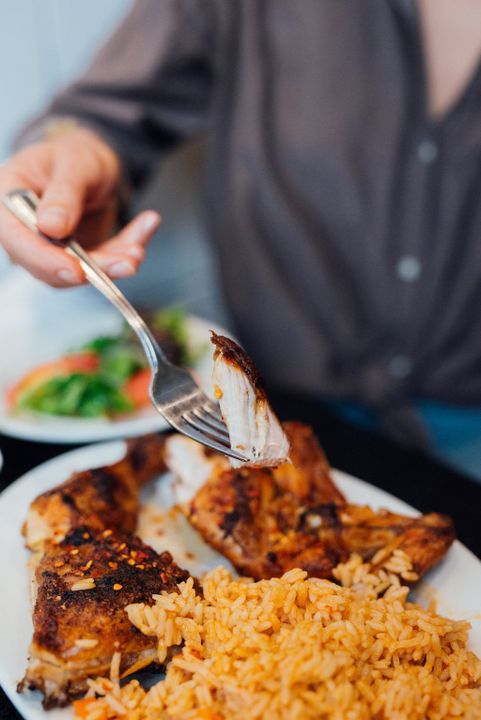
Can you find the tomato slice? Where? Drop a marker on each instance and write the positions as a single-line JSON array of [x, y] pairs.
[[84, 362], [136, 388]]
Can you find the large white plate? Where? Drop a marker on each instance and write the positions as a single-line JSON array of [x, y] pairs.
[[455, 583], [38, 324]]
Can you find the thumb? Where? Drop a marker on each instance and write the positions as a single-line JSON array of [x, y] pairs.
[[62, 203]]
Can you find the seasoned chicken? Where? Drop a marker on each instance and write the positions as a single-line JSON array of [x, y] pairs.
[[267, 521], [253, 428], [425, 539], [83, 585], [106, 497], [87, 566]]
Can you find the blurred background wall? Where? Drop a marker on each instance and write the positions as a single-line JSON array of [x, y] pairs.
[[46, 43]]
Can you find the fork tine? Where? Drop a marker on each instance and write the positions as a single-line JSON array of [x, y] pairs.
[[194, 418], [184, 427], [213, 409], [216, 424]]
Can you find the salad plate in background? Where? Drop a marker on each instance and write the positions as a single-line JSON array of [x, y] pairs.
[[71, 373]]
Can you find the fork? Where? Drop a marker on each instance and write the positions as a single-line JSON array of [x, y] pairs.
[[173, 392]]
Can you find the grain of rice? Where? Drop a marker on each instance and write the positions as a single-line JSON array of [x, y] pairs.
[[115, 667], [86, 643], [84, 584]]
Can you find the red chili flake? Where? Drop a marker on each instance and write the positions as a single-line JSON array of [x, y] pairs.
[[107, 533], [59, 563], [131, 561], [117, 586], [133, 553], [58, 598], [75, 551], [140, 567], [123, 546], [113, 565], [85, 536], [164, 577]]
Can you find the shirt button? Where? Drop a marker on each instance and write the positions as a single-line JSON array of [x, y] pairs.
[[408, 268], [427, 152], [400, 366]]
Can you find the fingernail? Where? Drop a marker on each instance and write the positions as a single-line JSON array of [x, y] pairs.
[[54, 216], [151, 222], [67, 276], [121, 268]]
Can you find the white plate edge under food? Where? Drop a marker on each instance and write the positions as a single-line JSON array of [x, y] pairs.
[[455, 582]]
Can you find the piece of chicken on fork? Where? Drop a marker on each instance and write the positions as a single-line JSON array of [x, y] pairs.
[[253, 427]]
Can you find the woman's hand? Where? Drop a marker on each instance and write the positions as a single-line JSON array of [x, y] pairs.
[[77, 176]]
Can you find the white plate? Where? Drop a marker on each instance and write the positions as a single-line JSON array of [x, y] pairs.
[[455, 583], [38, 324]]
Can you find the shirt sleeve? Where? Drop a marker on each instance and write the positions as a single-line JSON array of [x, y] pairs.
[[149, 87]]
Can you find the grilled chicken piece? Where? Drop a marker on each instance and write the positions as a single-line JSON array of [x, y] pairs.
[[83, 586], [267, 521], [425, 539], [106, 497], [254, 429], [265, 531]]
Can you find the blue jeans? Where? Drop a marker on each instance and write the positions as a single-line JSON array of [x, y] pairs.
[[455, 430]]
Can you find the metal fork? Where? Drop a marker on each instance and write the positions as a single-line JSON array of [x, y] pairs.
[[172, 390]]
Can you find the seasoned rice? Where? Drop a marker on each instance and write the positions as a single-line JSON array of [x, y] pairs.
[[297, 648]]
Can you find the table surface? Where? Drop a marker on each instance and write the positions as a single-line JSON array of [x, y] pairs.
[[409, 475]]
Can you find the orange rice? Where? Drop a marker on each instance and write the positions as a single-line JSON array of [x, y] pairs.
[[297, 648]]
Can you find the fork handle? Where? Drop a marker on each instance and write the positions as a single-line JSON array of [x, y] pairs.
[[23, 204]]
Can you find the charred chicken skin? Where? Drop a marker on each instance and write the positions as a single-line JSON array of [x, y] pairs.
[[106, 497], [83, 585], [267, 521]]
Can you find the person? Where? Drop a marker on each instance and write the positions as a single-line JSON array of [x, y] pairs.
[[343, 178]]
